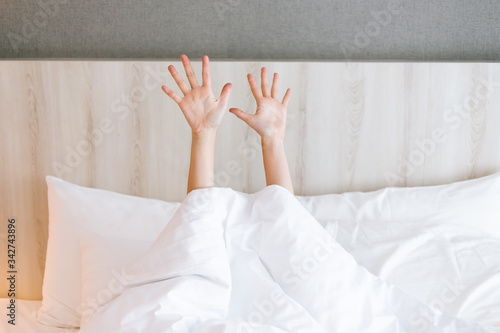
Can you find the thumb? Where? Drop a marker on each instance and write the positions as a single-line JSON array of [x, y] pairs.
[[241, 114]]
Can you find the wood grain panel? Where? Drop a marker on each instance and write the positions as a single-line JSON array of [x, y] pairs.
[[350, 127]]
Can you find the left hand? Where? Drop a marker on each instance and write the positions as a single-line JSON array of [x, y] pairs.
[[201, 109], [269, 119]]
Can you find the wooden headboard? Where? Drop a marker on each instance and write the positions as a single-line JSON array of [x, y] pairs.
[[351, 126]]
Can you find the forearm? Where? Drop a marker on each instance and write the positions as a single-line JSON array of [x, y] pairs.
[[201, 169], [275, 164]]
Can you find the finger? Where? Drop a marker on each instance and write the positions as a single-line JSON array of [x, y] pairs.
[[180, 82], [189, 71], [286, 98], [274, 88], [171, 94], [224, 95], [263, 82], [241, 114], [206, 71], [253, 86]]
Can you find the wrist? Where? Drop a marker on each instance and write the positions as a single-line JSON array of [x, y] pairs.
[[208, 134], [271, 142]]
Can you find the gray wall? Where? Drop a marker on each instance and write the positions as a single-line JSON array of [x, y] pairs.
[[397, 30]]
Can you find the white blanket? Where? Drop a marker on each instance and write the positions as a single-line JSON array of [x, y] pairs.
[[235, 262]]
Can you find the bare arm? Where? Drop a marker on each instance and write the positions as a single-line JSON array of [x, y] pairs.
[[201, 168], [270, 121], [275, 164], [203, 113]]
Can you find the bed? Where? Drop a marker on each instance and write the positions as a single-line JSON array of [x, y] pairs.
[[426, 138]]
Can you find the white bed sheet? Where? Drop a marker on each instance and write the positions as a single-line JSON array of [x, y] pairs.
[[257, 263], [25, 320]]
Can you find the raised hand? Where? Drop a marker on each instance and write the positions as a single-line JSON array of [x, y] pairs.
[[269, 119], [202, 110]]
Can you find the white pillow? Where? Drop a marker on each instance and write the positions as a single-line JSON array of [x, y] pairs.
[[472, 203], [74, 209], [103, 261]]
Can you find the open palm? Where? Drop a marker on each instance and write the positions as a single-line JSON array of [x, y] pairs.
[[202, 110], [269, 119]]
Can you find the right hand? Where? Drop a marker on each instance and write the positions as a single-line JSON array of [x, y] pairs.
[[269, 119]]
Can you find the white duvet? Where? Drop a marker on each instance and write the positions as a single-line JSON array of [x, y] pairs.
[[235, 262]]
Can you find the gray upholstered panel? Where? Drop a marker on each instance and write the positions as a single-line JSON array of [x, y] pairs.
[[425, 30]]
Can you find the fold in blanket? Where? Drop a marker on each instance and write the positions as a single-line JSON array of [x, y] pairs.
[[235, 262]]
